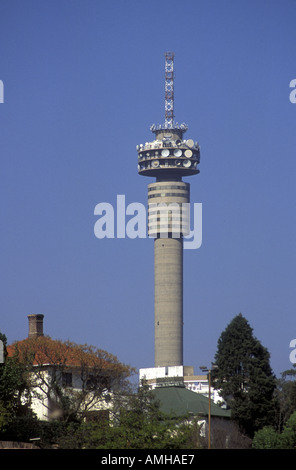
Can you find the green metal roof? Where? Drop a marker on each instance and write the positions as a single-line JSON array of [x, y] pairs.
[[180, 401]]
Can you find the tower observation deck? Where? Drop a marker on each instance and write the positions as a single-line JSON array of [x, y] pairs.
[[168, 157]]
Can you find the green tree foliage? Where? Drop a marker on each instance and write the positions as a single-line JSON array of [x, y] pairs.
[[286, 395], [288, 436], [138, 423], [244, 377], [13, 387], [268, 438]]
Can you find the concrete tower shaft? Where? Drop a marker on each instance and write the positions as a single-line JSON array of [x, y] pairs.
[[168, 222], [168, 302]]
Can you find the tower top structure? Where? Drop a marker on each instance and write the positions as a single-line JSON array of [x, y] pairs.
[[169, 155], [169, 123]]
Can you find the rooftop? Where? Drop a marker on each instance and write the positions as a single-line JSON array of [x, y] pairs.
[[179, 401]]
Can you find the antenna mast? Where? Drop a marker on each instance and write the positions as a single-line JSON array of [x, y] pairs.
[[169, 90], [169, 99]]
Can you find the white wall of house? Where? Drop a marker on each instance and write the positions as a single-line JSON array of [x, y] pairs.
[[46, 409]]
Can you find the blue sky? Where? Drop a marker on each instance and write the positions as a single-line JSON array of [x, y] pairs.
[[83, 82]]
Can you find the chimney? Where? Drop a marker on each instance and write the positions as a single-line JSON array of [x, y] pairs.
[[35, 325]]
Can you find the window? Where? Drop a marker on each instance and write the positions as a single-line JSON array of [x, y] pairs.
[[67, 379]]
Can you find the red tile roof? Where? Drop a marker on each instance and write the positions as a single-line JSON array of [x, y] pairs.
[[42, 350]]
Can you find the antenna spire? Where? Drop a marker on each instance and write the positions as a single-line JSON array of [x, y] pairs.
[[169, 99], [169, 90]]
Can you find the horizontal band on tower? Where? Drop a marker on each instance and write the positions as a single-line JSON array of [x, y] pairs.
[[171, 186], [185, 195]]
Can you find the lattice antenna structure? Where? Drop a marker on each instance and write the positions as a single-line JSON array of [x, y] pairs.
[[169, 90], [169, 98]]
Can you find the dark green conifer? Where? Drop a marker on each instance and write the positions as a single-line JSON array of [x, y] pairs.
[[244, 377]]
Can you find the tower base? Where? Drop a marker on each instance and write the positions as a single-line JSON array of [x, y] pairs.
[[178, 376], [166, 376]]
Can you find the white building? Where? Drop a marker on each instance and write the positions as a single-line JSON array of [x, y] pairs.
[[182, 375], [59, 369]]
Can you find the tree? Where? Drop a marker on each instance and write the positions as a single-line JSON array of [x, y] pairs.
[[286, 395], [225, 434], [288, 436], [138, 423], [16, 417], [244, 377], [269, 438], [13, 386]]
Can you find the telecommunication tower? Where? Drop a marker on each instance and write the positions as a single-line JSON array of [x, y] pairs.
[[168, 158]]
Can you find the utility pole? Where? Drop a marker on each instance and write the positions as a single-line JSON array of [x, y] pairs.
[[1, 352], [209, 371]]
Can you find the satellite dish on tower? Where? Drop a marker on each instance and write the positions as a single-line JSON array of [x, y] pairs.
[[165, 153], [178, 152], [155, 163], [187, 163], [190, 143], [188, 153]]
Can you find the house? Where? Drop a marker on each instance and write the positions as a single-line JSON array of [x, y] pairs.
[[60, 369]]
